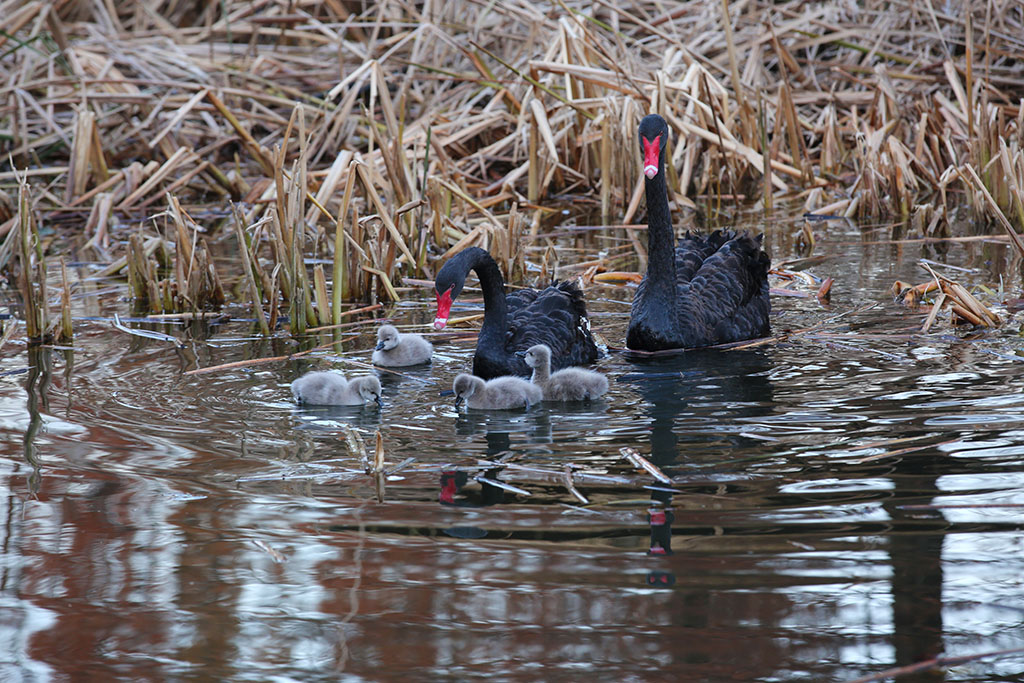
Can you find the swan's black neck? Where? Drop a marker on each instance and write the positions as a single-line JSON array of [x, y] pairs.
[[492, 332], [661, 248]]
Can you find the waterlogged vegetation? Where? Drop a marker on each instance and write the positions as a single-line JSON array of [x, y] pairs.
[[200, 202]]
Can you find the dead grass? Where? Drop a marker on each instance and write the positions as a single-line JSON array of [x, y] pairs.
[[382, 137]]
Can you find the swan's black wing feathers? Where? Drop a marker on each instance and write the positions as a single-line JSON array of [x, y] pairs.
[[556, 316], [693, 249], [724, 297]]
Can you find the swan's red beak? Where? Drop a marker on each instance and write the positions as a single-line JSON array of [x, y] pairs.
[[444, 307], [652, 154]]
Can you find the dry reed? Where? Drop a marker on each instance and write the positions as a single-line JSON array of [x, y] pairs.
[[381, 138]]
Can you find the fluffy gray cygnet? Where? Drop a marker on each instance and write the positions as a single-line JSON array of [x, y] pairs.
[[395, 349], [500, 393], [569, 384], [332, 389]]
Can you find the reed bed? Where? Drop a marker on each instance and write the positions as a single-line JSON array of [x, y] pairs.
[[379, 138]]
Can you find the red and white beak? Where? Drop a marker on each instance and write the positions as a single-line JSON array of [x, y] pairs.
[[652, 155], [444, 307]]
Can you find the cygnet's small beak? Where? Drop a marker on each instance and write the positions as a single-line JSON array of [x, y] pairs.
[[458, 401], [521, 354], [379, 401], [380, 346]]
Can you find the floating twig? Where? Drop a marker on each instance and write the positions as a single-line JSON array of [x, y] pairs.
[[640, 462], [148, 334]]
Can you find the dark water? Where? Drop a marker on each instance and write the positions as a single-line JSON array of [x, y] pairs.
[[842, 502]]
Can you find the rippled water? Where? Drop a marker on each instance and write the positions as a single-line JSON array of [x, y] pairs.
[[843, 501]]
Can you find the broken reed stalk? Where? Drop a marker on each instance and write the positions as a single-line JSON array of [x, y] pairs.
[[378, 453], [141, 275], [963, 305], [766, 172], [249, 267], [66, 329], [607, 176], [339, 284], [31, 269], [290, 232], [734, 73], [299, 295], [196, 285], [323, 306]]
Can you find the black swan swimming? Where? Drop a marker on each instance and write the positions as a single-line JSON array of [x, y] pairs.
[[709, 289], [555, 315]]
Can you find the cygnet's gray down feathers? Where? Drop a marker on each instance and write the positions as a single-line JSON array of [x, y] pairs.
[[569, 384], [332, 389], [396, 349], [500, 393]]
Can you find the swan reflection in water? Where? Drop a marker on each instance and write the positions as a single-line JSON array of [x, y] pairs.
[[498, 428], [696, 396], [328, 418], [693, 400]]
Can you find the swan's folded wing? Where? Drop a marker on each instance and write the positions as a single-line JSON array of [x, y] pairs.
[[694, 248], [727, 297], [556, 316]]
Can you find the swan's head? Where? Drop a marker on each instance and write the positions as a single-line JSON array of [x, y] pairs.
[[387, 338], [653, 139], [368, 388], [447, 287], [464, 386], [536, 356]]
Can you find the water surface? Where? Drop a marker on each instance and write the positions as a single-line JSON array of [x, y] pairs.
[[842, 501]]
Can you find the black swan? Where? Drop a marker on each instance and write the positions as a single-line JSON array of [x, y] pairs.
[[556, 316], [500, 393], [709, 289], [569, 384]]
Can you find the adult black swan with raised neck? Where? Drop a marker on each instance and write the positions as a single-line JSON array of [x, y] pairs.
[[555, 315], [705, 290]]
